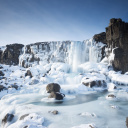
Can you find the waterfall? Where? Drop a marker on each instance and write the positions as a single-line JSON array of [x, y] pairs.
[[72, 52]]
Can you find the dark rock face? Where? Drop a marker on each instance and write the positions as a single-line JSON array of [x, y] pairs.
[[56, 95], [2, 88], [7, 118], [53, 87], [101, 37], [10, 55], [117, 37], [96, 83]]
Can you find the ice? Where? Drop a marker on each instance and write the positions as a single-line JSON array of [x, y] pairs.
[[111, 87], [69, 64], [73, 53]]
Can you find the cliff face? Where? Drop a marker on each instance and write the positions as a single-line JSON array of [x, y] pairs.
[[10, 54], [117, 38]]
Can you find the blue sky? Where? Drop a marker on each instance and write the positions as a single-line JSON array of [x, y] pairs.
[[30, 21]]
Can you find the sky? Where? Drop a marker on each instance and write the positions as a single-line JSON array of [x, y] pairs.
[[30, 21]]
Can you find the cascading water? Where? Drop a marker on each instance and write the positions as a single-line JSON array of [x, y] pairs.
[[72, 52]]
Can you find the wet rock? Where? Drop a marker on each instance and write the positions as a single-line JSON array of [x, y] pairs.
[[111, 96], [7, 118], [127, 122], [28, 73], [97, 83], [23, 116], [56, 95], [1, 73], [55, 112], [53, 87], [34, 81], [2, 88]]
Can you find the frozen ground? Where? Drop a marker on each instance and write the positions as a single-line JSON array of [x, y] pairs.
[[83, 107]]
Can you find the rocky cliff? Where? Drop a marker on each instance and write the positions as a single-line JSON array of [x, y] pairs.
[[117, 39], [74, 52], [10, 54]]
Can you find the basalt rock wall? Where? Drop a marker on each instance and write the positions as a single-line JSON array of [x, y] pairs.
[[10, 54], [117, 39]]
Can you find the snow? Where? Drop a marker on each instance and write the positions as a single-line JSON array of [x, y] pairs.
[[119, 78], [70, 64], [32, 121]]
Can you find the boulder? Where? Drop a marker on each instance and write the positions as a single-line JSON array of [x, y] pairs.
[[95, 83], [28, 73], [56, 95], [111, 96], [53, 87], [2, 88], [55, 112], [1, 73], [8, 118]]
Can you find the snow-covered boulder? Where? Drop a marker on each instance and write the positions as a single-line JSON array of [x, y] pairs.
[[53, 87]]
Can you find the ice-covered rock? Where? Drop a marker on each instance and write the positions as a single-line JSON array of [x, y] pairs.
[[56, 95], [32, 120], [73, 53], [54, 112], [87, 114]]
